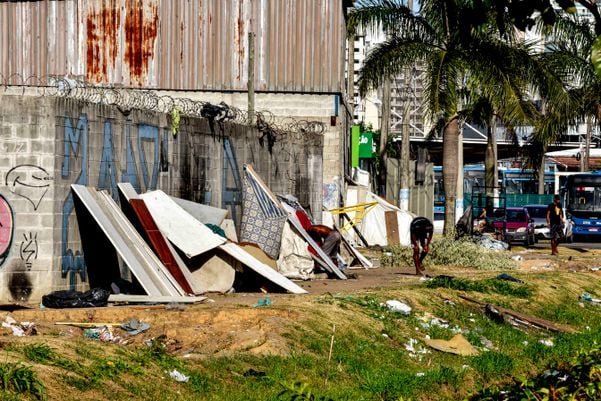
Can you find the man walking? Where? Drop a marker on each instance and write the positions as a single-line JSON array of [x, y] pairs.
[[555, 222], [421, 230]]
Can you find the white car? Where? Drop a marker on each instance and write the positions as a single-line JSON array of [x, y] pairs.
[[539, 214]]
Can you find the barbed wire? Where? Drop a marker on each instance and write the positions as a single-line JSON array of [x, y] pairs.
[[126, 99]]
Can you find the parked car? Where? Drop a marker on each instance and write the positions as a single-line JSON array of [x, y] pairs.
[[517, 223], [539, 214]]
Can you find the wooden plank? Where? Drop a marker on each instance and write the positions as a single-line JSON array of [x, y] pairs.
[[541, 323], [155, 299], [147, 275], [159, 244], [392, 227], [182, 229]]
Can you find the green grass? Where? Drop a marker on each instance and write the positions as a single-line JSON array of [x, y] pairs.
[[16, 378], [489, 286]]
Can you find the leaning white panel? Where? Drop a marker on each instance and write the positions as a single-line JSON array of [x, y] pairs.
[[143, 264], [182, 229], [248, 260]]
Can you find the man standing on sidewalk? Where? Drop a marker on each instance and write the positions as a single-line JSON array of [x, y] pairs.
[[555, 222]]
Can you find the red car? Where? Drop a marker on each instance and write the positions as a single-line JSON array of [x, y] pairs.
[[516, 225]]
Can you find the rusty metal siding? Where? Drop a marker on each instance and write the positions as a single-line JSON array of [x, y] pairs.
[[175, 44]]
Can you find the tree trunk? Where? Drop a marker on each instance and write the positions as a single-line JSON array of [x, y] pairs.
[[490, 166], [450, 144]]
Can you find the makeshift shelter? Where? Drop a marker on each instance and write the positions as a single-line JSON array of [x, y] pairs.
[[201, 246], [107, 235], [384, 224]]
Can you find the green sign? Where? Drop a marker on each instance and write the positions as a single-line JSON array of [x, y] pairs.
[[366, 145]]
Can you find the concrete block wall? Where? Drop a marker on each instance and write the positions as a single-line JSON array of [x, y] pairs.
[[49, 143]]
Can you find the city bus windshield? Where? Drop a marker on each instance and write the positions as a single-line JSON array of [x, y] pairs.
[[584, 194]]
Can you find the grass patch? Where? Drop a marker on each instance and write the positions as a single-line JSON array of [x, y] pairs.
[[463, 252], [487, 286], [17, 378]]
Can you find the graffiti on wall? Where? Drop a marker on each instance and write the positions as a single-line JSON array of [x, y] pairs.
[[28, 181], [29, 249], [139, 166], [6, 228]]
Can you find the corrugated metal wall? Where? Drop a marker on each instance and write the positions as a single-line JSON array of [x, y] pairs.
[[175, 44]]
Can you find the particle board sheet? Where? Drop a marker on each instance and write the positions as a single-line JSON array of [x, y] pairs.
[[181, 228], [127, 194], [143, 264], [203, 213], [248, 260], [392, 228], [163, 273], [159, 244]]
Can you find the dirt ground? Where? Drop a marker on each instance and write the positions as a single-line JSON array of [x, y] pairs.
[[234, 322]]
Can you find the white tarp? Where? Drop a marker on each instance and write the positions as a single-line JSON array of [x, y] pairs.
[[373, 225], [295, 260]]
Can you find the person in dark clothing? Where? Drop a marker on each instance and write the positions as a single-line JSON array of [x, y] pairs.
[[555, 222], [421, 230]]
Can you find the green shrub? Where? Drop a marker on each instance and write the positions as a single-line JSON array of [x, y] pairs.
[[448, 251]]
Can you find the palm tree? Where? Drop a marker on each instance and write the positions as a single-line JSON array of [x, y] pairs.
[[459, 43], [569, 45]]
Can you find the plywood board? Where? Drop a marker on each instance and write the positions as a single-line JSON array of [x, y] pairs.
[[127, 193], [181, 228], [143, 264], [392, 228], [159, 243]]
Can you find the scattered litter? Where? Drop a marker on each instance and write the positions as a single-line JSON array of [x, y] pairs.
[[178, 376], [103, 334], [525, 343], [595, 268], [397, 306], [493, 244], [254, 373], [449, 302], [262, 302], [487, 343], [420, 374], [134, 326], [19, 329], [415, 350], [517, 258], [456, 345], [547, 341], [507, 277], [588, 297]]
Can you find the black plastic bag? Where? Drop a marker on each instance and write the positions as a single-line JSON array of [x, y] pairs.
[[75, 299]]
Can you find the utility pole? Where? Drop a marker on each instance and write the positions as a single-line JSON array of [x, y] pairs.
[[405, 161], [587, 144], [384, 128]]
